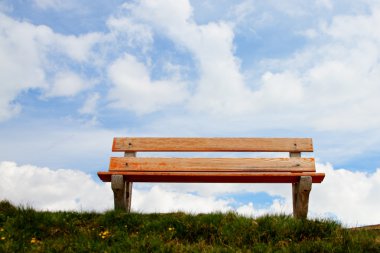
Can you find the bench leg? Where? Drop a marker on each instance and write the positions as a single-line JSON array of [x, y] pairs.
[[118, 188], [128, 186], [128, 196], [301, 191]]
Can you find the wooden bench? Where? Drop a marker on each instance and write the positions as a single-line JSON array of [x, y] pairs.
[[300, 172]]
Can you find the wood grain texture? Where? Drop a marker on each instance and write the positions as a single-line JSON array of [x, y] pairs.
[[212, 144], [213, 177], [118, 188], [301, 192], [213, 164], [128, 186]]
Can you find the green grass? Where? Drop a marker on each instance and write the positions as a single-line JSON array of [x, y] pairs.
[[26, 230]]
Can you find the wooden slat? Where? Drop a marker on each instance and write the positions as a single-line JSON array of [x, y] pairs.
[[213, 164], [212, 177], [213, 144]]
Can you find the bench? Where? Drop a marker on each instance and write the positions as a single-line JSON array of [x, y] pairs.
[[300, 172]]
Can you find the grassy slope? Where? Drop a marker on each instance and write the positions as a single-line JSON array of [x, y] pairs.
[[26, 230]]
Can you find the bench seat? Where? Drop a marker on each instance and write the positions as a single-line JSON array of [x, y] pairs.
[[211, 177]]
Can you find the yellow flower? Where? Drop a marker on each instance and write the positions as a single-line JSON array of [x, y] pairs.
[[2, 238], [105, 234], [171, 228], [1, 229], [34, 240]]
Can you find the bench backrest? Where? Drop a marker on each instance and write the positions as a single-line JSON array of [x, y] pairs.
[[294, 146], [212, 145]]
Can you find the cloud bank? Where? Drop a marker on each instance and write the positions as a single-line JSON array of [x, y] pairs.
[[28, 62], [349, 197], [329, 84]]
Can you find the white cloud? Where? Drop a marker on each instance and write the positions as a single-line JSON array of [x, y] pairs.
[[53, 4], [350, 197], [325, 3], [278, 90], [317, 87], [292, 8], [344, 74], [67, 84], [47, 189], [79, 48], [134, 90], [242, 10], [348, 27], [135, 34], [309, 33], [7, 109], [25, 63], [89, 106], [221, 86], [277, 207], [326, 75], [157, 11], [334, 79], [21, 61], [157, 199]]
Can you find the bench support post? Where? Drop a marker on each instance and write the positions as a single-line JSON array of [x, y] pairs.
[[128, 186], [128, 196], [301, 191], [118, 188]]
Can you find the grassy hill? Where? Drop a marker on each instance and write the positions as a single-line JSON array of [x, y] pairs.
[[26, 230]]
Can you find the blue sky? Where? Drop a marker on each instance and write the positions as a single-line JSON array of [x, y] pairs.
[[74, 74]]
